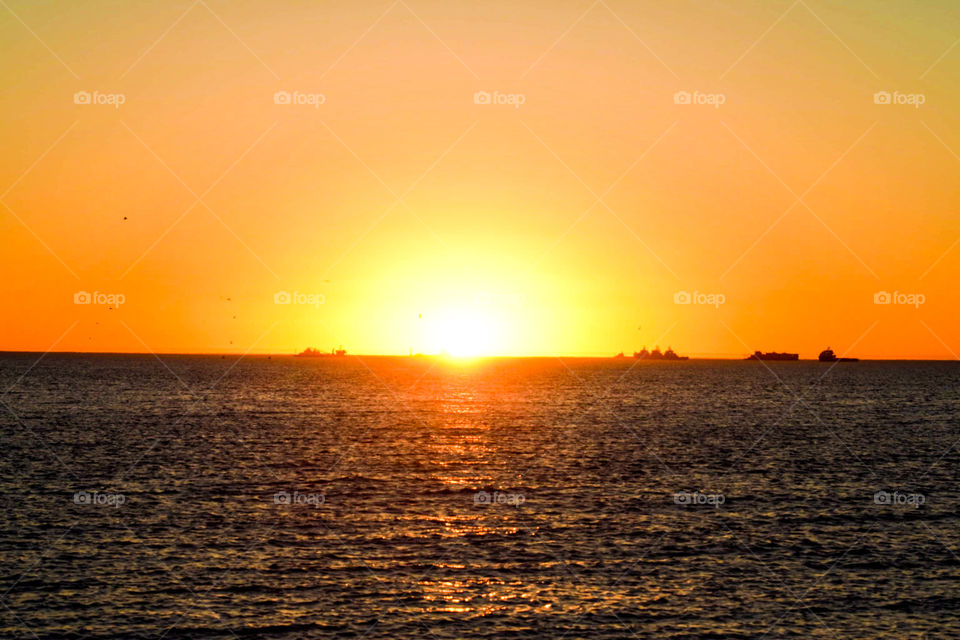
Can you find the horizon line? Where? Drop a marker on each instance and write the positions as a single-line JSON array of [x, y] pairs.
[[735, 358]]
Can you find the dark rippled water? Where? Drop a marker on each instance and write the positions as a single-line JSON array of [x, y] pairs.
[[400, 497]]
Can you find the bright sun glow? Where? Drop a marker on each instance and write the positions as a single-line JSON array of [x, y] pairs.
[[465, 333]]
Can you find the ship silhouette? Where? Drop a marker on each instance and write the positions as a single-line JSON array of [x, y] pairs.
[[827, 355], [773, 355], [310, 352], [669, 354]]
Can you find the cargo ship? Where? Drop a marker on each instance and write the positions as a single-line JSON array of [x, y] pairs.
[[827, 355], [773, 355], [310, 352], [669, 354]]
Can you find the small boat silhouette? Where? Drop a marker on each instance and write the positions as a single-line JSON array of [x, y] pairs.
[[827, 355]]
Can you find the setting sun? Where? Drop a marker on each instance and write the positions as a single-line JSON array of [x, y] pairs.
[[464, 333]]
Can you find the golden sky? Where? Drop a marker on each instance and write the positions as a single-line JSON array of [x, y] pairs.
[[149, 158]]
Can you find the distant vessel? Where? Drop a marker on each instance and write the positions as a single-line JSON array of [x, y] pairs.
[[773, 355], [827, 355], [310, 352], [669, 354]]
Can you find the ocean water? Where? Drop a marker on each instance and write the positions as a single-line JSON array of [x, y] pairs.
[[202, 497]]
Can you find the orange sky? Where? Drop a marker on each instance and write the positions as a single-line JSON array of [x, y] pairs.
[[419, 219]]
